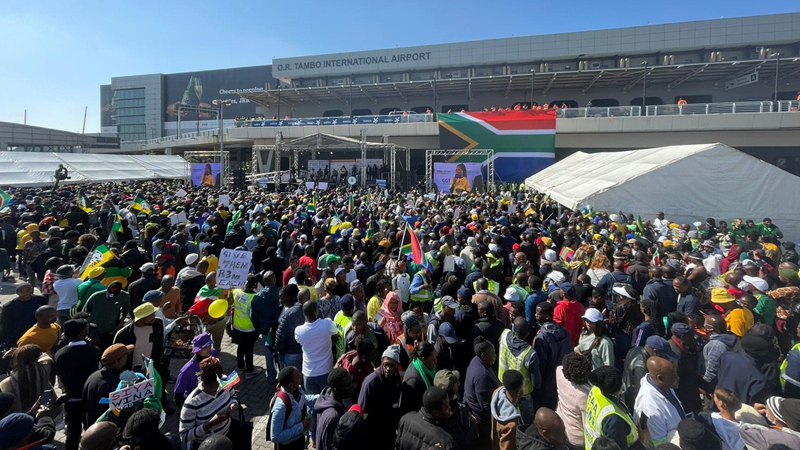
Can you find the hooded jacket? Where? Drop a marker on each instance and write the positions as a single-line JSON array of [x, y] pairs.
[[328, 411], [550, 345], [505, 420], [717, 345]]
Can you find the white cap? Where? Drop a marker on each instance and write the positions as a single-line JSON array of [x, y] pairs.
[[511, 295], [555, 276], [550, 255], [191, 258], [757, 283], [622, 292], [593, 315]]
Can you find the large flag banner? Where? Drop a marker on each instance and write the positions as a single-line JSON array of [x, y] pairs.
[[101, 254], [5, 199], [524, 142], [410, 245], [140, 204]]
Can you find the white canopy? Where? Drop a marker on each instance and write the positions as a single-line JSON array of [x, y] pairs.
[[687, 182], [36, 169]]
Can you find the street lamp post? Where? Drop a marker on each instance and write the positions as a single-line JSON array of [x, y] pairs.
[[279, 101], [644, 91], [777, 68], [351, 100], [220, 117], [533, 74]]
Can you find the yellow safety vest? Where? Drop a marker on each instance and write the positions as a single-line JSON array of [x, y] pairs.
[[343, 326], [241, 310], [784, 365], [494, 287], [508, 361], [423, 295], [598, 407]]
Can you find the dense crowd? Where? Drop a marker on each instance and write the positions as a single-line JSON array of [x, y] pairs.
[[394, 320]]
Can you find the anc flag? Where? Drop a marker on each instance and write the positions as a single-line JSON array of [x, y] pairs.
[[312, 205], [97, 257], [83, 203], [5, 199], [410, 245], [335, 224], [370, 231], [350, 205], [140, 204], [639, 224], [233, 221], [117, 226], [523, 141]]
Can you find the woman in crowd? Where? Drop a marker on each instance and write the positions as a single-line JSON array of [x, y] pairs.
[[187, 378], [599, 268], [418, 377], [593, 343], [208, 408], [382, 288], [572, 381], [390, 316], [28, 380], [480, 384], [328, 304]]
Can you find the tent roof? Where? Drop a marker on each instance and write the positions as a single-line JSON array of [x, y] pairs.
[[36, 169], [687, 182]]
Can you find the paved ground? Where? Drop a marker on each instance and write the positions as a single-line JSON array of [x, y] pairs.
[[254, 394]]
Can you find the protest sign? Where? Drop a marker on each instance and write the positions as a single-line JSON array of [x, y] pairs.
[[233, 268], [127, 397], [177, 218], [322, 186], [309, 185], [512, 208], [225, 200], [181, 193]]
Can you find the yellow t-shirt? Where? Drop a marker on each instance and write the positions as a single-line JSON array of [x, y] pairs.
[[213, 263], [459, 184], [45, 338], [373, 306]]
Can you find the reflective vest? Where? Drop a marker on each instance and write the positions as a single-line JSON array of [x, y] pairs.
[[784, 365], [343, 326], [521, 292], [241, 310], [598, 407], [507, 361], [494, 287], [423, 295]]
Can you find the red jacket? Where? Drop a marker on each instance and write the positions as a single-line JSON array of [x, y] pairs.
[[569, 315]]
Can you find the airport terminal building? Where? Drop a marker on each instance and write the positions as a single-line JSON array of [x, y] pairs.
[[701, 62]]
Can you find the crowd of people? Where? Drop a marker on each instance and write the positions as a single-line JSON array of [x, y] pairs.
[[394, 320]]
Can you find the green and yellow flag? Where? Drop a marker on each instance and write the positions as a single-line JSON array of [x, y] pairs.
[[83, 203], [312, 205], [97, 257], [117, 226], [140, 204], [233, 221]]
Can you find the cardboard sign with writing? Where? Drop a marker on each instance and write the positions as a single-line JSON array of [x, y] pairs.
[[127, 397], [225, 200], [233, 268]]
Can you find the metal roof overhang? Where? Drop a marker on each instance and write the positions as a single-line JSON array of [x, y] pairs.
[[584, 80]]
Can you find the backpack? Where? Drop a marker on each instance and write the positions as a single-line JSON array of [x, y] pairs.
[[613, 296], [287, 402]]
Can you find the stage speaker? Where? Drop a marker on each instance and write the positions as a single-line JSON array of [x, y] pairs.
[[238, 178]]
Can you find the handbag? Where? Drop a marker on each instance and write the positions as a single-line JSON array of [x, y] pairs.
[[241, 432]]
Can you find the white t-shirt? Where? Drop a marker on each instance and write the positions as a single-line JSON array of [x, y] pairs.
[[401, 284], [67, 291], [315, 338]]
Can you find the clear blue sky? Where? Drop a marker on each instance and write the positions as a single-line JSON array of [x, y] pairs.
[[54, 55]]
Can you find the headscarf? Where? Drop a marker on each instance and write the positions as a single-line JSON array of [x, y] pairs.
[[733, 256], [391, 319]]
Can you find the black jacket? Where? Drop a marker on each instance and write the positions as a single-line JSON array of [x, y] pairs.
[[135, 259], [530, 439], [126, 336], [490, 328], [420, 430], [74, 364], [98, 386], [137, 289], [411, 390], [635, 368]]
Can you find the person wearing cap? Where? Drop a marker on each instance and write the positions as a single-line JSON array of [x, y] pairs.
[[607, 416], [18, 315], [594, 341], [461, 426], [447, 314], [785, 416], [684, 343], [658, 401], [186, 382], [93, 283], [104, 381], [146, 334], [401, 283], [26, 431], [421, 289], [427, 427], [73, 364], [516, 354], [108, 310], [568, 311], [379, 400], [189, 280], [766, 305], [148, 282]]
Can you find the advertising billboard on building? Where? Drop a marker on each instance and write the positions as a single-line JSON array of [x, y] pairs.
[[203, 87], [107, 110], [455, 178], [205, 174]]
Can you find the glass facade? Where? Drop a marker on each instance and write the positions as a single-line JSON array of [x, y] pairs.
[[129, 105]]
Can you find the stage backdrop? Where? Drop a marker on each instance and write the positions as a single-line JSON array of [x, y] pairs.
[[457, 176], [205, 174], [524, 142]]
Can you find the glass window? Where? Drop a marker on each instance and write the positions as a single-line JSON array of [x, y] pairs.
[[130, 103], [122, 94], [130, 111]]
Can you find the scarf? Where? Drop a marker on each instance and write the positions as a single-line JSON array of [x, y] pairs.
[[426, 374], [733, 256], [392, 323]]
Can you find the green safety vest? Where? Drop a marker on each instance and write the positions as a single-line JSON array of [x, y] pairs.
[[241, 310], [494, 287], [343, 326], [423, 295], [598, 407], [507, 361], [784, 365]]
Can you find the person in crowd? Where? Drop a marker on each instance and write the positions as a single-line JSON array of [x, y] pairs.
[[358, 362], [316, 337], [264, 313], [635, 366], [27, 431], [684, 344], [447, 314], [289, 351], [207, 409], [516, 354], [108, 310], [244, 331], [28, 380], [738, 319], [572, 377], [45, 332], [149, 282], [694, 435], [724, 421], [784, 414], [488, 326], [607, 416], [379, 400], [73, 364], [506, 417], [418, 376], [19, 315], [186, 381], [766, 306], [190, 280], [145, 333], [332, 403], [658, 401], [461, 425], [593, 342], [720, 341], [104, 381], [742, 371], [688, 303], [100, 436], [288, 421], [142, 431], [390, 315], [480, 384], [428, 426], [568, 312]]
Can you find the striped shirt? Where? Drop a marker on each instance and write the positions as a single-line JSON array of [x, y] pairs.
[[199, 408]]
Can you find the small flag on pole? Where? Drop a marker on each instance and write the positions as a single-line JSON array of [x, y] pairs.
[[312, 205], [140, 204], [410, 245], [83, 203], [117, 226], [230, 381]]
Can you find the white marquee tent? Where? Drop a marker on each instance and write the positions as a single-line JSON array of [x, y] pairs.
[[22, 169], [687, 182]]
